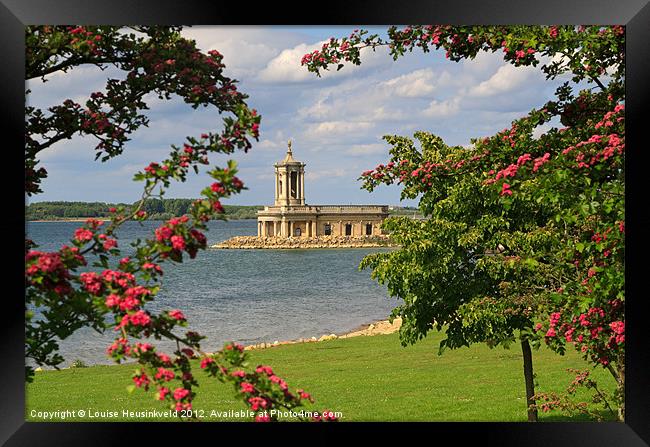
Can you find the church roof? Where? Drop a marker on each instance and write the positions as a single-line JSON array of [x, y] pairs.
[[288, 159]]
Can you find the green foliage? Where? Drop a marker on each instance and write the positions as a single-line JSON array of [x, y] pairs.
[[78, 364], [523, 233]]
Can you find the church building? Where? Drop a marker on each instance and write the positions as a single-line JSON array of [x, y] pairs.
[[290, 216]]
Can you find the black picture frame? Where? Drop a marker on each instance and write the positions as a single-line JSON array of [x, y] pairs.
[[634, 14]]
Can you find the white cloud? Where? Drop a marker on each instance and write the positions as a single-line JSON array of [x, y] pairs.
[[320, 110], [365, 149], [418, 83], [506, 79], [327, 173], [382, 113], [337, 128], [421, 83], [286, 67], [266, 144], [440, 109], [483, 64], [245, 50], [540, 130]]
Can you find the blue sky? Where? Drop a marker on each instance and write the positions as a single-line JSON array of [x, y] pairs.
[[336, 122]]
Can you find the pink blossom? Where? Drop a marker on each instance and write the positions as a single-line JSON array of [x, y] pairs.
[[178, 242], [83, 235], [262, 418], [264, 369], [555, 318], [257, 403], [180, 393], [618, 327], [162, 392], [140, 318], [109, 243], [177, 315], [206, 361], [112, 300], [163, 233], [141, 380], [247, 387]]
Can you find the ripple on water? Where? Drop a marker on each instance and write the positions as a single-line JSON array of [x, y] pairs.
[[248, 296]]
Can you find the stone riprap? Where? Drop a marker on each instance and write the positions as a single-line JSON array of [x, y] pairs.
[[257, 242]]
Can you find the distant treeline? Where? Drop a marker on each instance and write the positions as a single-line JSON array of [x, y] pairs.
[[156, 209], [404, 210]]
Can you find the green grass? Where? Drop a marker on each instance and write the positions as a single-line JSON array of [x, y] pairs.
[[365, 378]]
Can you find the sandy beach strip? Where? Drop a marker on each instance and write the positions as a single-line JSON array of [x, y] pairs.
[[381, 327]]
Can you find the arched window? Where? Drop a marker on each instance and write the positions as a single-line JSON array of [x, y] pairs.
[[368, 229], [348, 229], [328, 229], [297, 231]]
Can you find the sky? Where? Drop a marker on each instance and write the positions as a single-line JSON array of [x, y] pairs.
[[335, 122]]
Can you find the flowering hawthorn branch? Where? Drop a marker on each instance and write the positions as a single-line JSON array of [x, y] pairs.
[[553, 200], [59, 299]]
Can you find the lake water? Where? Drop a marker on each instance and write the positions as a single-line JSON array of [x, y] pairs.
[[249, 296]]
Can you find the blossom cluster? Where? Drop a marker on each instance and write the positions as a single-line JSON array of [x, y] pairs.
[[598, 333]]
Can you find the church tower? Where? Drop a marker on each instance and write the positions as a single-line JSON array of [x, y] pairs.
[[289, 181]]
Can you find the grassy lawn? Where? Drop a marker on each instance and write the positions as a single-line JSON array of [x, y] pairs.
[[365, 378]]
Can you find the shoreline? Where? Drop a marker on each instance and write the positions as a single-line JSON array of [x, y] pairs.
[[380, 327], [300, 242]]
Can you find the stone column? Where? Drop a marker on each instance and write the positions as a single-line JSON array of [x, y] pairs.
[[302, 187], [341, 233], [287, 186], [275, 228], [291, 228], [315, 228], [259, 226]]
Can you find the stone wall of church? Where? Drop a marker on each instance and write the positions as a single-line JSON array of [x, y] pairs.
[[357, 227], [325, 225]]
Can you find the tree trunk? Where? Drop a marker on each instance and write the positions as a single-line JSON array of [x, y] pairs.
[[619, 376], [528, 377], [621, 392]]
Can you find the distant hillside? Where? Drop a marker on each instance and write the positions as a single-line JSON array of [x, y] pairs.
[[156, 209]]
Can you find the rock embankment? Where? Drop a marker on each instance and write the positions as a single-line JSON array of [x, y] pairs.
[[378, 328], [256, 242]]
